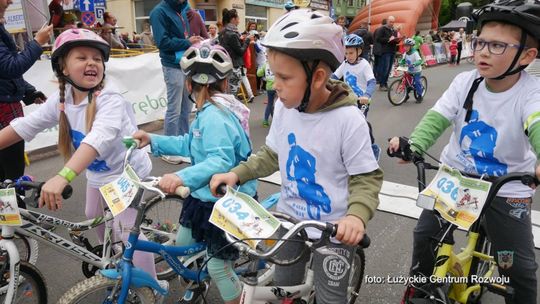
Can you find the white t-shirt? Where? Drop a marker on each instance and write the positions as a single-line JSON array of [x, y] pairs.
[[356, 76], [317, 153], [411, 59], [494, 141], [114, 120]]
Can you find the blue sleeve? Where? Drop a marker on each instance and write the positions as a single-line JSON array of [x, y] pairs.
[[164, 40], [218, 146], [14, 65], [170, 145], [370, 87]]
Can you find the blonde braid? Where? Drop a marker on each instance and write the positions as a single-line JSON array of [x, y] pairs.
[[91, 109], [64, 137]]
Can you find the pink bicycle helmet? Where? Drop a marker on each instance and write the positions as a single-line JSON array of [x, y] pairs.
[[206, 63], [307, 35], [73, 38]]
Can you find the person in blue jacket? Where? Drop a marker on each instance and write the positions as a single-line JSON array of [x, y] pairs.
[[218, 140], [170, 25], [13, 89]]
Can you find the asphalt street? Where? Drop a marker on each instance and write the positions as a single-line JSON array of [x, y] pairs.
[[389, 254]]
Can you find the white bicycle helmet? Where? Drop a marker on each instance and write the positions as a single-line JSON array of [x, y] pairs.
[[308, 36], [409, 41], [206, 63]]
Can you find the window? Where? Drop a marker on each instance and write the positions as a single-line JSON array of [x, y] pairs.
[[142, 13], [257, 14]]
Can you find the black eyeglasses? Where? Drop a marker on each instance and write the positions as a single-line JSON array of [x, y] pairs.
[[494, 47]]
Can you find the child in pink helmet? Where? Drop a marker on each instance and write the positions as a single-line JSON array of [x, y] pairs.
[[93, 117], [319, 140]]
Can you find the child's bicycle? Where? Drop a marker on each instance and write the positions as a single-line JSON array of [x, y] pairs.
[[398, 92], [255, 292], [475, 263]]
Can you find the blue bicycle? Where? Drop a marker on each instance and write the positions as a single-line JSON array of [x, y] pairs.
[[129, 284]]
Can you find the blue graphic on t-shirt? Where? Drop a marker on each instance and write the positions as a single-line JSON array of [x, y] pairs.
[[97, 165], [303, 164], [352, 81], [483, 139]]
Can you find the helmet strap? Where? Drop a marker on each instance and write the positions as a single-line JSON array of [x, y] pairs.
[[82, 89], [511, 70], [307, 93], [468, 105]]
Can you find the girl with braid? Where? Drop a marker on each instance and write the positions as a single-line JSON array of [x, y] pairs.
[[93, 117]]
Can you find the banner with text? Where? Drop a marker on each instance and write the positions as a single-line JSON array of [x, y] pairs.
[[139, 79]]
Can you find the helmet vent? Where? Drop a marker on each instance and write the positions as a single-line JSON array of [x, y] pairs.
[[218, 58], [291, 34], [315, 16], [191, 55], [289, 25]]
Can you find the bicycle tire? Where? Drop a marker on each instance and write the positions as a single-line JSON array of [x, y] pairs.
[[423, 79], [397, 88], [32, 284], [80, 292], [478, 266], [162, 215], [357, 275], [28, 248]]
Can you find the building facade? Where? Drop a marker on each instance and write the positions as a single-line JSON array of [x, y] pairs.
[[132, 15]]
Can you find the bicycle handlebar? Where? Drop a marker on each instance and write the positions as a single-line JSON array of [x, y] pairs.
[[329, 228], [26, 183]]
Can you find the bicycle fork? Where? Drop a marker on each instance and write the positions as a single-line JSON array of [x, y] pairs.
[[6, 244]]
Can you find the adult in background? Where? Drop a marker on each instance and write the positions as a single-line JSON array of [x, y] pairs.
[[388, 40], [460, 37], [111, 35], [171, 33], [56, 11], [196, 23], [213, 33], [418, 41], [147, 38], [236, 45], [377, 50], [342, 21], [437, 37], [367, 36], [13, 89]]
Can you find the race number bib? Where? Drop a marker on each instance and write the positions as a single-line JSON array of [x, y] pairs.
[[9, 211], [119, 193], [459, 199], [240, 215]]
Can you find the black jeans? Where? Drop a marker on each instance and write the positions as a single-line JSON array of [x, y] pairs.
[[12, 161], [459, 49], [509, 228]]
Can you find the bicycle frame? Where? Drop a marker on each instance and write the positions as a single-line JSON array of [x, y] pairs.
[[30, 229]]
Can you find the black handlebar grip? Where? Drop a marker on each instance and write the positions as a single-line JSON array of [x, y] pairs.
[[221, 189], [365, 242], [67, 192]]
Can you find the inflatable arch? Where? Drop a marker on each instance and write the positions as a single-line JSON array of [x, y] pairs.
[[412, 15]]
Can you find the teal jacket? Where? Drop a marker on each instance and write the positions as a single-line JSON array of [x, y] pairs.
[[216, 143], [170, 26]]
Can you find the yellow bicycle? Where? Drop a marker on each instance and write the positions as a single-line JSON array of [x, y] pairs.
[[464, 276]]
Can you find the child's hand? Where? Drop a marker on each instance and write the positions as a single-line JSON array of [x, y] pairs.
[[363, 100], [143, 137], [51, 193], [169, 183], [229, 178], [351, 230]]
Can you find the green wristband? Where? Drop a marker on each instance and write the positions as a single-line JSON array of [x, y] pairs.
[[68, 174]]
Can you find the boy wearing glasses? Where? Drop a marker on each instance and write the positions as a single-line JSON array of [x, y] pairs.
[[494, 112]]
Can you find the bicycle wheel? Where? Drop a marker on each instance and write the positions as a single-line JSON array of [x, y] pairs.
[[397, 92], [160, 225], [357, 275], [423, 79], [32, 287], [28, 248], [98, 288]]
